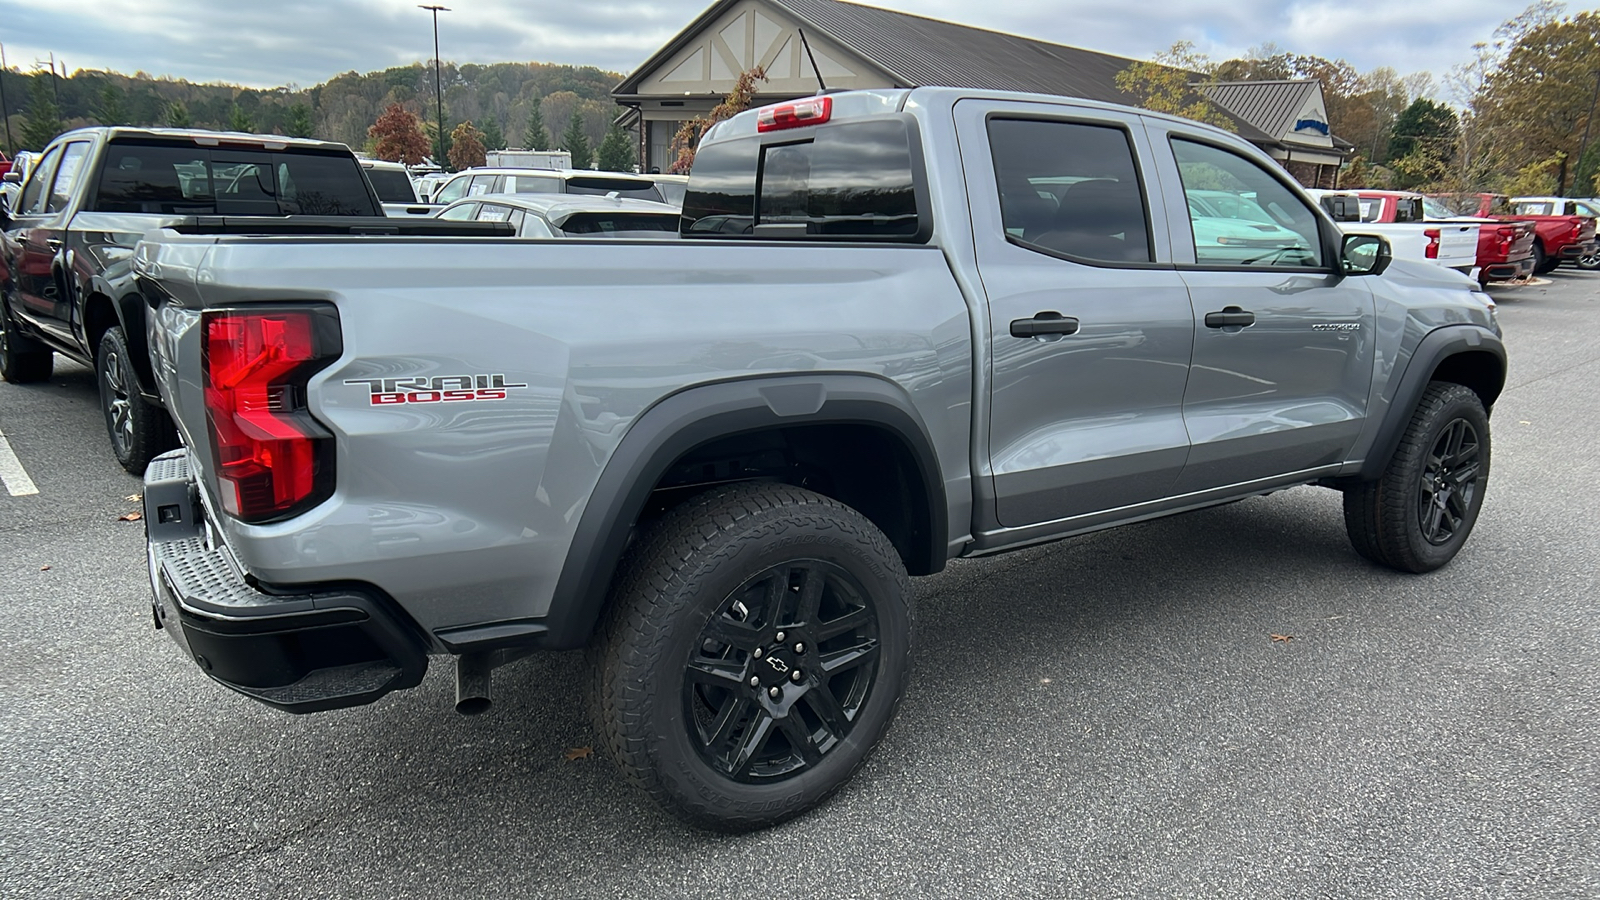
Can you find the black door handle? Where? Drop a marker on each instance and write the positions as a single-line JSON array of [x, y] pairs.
[[1044, 323], [1230, 315]]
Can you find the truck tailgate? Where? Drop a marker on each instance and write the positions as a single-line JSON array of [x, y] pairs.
[[1458, 244]]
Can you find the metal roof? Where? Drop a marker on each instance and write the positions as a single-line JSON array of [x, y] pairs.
[[1272, 105]]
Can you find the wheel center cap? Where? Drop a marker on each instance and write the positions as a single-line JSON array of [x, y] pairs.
[[773, 668]]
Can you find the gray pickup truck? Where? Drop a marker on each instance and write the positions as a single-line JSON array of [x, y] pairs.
[[899, 327]]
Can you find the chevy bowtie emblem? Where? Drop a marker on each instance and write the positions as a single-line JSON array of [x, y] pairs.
[[778, 664]]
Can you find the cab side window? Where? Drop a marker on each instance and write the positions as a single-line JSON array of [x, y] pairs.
[[1070, 189], [67, 176], [462, 213], [34, 195], [453, 191], [1246, 216]]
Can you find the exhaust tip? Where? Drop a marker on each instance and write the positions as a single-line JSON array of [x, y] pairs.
[[473, 672], [472, 706]]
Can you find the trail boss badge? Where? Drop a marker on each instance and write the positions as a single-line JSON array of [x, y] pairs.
[[438, 389]]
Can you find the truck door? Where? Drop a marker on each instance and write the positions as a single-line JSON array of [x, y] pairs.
[[1283, 341], [1089, 325], [44, 273]]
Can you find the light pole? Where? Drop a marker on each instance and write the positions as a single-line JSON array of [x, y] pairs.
[[438, 90]]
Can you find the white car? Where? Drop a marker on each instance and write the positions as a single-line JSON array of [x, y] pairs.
[[476, 182], [569, 215]]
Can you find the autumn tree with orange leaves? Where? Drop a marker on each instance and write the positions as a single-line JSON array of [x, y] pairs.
[[466, 147], [398, 137], [690, 132]]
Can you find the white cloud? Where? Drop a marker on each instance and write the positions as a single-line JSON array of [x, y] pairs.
[[309, 41]]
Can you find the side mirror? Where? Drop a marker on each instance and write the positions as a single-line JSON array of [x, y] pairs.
[[1365, 254]]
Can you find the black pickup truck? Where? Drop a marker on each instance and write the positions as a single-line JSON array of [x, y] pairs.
[[66, 276]]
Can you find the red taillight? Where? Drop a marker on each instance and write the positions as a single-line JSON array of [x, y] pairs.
[[272, 458], [1508, 236], [800, 113], [1433, 243]]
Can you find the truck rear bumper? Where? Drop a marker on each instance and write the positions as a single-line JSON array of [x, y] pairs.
[[1508, 270], [299, 652], [1573, 251]]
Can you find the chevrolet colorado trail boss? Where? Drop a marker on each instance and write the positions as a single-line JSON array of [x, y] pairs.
[[952, 323], [66, 282]]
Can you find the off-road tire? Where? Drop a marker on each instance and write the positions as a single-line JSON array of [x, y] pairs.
[[673, 593], [23, 360], [138, 430], [1390, 520]]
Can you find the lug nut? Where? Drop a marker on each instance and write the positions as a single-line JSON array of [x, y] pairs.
[[773, 692], [794, 675], [754, 681], [780, 637], [759, 653], [799, 647]]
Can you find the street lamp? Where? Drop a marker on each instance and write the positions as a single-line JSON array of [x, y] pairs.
[[438, 91]]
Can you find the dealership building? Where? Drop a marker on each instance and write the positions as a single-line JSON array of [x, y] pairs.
[[857, 46]]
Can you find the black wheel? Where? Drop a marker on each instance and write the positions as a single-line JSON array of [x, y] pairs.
[[1543, 263], [22, 359], [754, 652], [1418, 514], [139, 430]]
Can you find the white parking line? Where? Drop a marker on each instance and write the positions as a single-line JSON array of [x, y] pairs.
[[16, 478]]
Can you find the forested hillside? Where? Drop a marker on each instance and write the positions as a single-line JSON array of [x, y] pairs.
[[496, 98]]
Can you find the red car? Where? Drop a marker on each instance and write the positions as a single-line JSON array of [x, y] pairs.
[[1557, 237]]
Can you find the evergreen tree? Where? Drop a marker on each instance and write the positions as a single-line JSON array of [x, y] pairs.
[[617, 153], [178, 116], [575, 142], [536, 137], [493, 137], [299, 124], [1427, 126], [110, 110], [44, 117], [239, 121]]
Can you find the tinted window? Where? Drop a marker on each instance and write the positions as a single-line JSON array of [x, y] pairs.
[[533, 184], [604, 224], [1287, 237], [34, 195], [66, 180], [392, 186], [1408, 209], [1070, 188], [600, 186], [848, 181], [152, 177]]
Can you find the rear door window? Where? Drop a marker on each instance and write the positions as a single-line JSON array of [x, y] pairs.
[[392, 186], [34, 194], [66, 181], [1071, 189], [533, 184]]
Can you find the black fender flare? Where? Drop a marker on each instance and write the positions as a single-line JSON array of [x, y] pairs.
[[1434, 348], [684, 420], [128, 305]]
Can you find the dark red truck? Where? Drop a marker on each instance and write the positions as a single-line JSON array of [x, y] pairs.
[[1557, 238]]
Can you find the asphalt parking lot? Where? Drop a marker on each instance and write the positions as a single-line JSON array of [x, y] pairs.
[[1109, 716]]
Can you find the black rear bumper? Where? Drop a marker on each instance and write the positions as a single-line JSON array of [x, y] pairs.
[[302, 652]]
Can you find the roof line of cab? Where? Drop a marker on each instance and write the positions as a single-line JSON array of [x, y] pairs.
[[197, 134]]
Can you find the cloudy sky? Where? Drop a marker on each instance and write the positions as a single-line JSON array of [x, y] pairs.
[[304, 42]]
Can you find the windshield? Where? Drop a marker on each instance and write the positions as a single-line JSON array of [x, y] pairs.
[[618, 224]]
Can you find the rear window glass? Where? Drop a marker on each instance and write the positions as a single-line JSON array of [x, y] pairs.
[[848, 181], [1408, 209], [603, 224], [174, 179], [392, 186], [599, 187]]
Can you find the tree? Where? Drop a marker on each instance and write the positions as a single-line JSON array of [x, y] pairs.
[[617, 152], [178, 115], [109, 108], [493, 138], [398, 136], [575, 142], [466, 146], [299, 123], [535, 136], [690, 132], [1167, 84], [44, 117], [1535, 102], [239, 121], [1424, 141]]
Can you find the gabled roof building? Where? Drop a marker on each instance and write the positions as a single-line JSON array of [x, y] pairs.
[[857, 46]]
